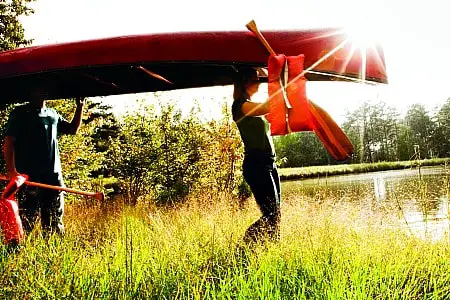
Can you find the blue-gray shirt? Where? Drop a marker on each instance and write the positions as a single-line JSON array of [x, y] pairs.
[[36, 131]]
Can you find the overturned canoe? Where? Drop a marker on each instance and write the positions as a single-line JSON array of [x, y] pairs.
[[158, 62]]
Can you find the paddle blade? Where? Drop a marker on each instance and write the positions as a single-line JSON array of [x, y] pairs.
[[331, 135], [10, 222], [13, 185]]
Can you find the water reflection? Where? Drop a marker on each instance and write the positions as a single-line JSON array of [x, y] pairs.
[[379, 188], [420, 199]]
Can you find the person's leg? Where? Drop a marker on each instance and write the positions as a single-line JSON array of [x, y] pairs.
[[277, 219], [52, 211], [29, 206], [264, 189], [52, 205], [276, 179]]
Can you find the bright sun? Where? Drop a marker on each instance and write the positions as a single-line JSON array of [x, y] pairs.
[[362, 37]]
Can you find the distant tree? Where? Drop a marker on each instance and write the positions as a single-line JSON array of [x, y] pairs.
[[355, 127], [441, 136], [422, 127], [405, 144], [389, 132], [11, 30], [373, 129], [300, 149]]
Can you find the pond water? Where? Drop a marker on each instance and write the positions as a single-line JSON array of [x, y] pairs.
[[418, 197]]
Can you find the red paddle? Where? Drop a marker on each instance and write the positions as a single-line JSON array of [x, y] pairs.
[[99, 196]]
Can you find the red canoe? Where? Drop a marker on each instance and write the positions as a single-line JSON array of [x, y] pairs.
[[143, 63]]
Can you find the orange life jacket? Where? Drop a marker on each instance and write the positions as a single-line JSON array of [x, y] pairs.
[[291, 111]]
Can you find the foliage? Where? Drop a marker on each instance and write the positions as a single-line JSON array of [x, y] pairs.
[[11, 30], [106, 128], [178, 144], [379, 135], [441, 138], [300, 149], [421, 129], [158, 153], [161, 153], [405, 144], [4, 116], [222, 157], [131, 154], [372, 129]]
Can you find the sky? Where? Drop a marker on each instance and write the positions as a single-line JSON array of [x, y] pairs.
[[413, 34]]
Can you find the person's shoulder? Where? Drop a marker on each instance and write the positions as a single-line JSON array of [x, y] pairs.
[[50, 111], [21, 108], [239, 101], [236, 108]]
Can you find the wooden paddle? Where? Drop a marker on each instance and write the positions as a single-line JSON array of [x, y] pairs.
[[99, 196], [331, 135]]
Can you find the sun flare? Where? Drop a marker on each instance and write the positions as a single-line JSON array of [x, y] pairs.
[[362, 39]]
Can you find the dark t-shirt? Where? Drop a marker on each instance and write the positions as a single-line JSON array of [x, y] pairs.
[[254, 131], [36, 131]]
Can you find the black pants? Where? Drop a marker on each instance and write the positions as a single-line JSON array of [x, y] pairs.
[[260, 172], [46, 203]]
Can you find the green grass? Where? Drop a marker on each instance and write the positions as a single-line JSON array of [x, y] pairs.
[[316, 171], [328, 250]]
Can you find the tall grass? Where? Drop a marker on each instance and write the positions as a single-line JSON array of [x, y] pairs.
[[328, 250]]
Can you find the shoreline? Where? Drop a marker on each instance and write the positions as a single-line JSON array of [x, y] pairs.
[[287, 174]]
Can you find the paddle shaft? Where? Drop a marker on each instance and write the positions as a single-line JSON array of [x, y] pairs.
[[99, 196], [253, 28]]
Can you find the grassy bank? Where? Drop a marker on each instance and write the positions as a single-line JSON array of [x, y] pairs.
[[311, 172], [330, 250]]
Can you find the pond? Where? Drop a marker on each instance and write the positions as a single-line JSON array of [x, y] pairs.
[[419, 198]]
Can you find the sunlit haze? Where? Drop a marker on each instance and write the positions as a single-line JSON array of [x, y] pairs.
[[415, 43]]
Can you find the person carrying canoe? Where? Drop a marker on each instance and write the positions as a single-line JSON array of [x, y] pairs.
[[30, 147], [259, 169]]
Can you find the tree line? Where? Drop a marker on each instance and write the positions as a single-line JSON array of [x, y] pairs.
[[378, 134], [156, 152]]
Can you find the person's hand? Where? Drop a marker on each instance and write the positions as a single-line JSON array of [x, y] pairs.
[[80, 101], [13, 173]]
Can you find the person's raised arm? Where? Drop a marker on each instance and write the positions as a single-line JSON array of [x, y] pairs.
[[74, 125], [255, 109]]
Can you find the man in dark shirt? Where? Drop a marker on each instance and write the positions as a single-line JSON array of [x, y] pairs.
[[30, 147]]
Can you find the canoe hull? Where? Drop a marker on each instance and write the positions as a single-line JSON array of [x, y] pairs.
[[124, 65]]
